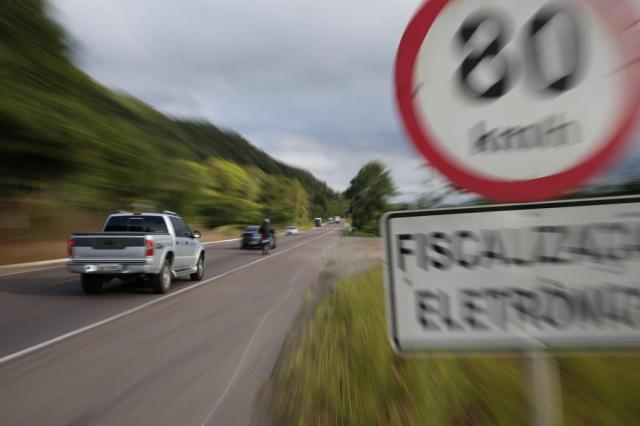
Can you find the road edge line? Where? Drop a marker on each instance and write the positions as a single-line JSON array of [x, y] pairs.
[[249, 344]]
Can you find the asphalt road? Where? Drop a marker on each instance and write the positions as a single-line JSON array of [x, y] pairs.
[[197, 356]]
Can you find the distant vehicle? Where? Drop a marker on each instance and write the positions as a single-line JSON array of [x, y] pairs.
[[251, 238], [317, 222], [156, 246], [292, 230], [337, 219]]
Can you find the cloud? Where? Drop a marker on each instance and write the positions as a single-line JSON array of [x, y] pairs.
[[310, 82], [338, 164]]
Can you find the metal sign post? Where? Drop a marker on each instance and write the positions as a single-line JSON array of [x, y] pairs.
[[546, 388]]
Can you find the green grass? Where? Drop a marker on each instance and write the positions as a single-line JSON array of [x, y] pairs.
[[343, 371], [304, 226], [364, 234], [347, 232], [601, 390]]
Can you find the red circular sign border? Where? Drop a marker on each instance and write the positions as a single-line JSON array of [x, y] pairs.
[[502, 190]]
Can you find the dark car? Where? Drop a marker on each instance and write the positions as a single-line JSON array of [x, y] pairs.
[[251, 237]]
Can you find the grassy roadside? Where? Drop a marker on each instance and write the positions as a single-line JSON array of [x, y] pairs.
[[348, 231], [343, 371], [307, 226]]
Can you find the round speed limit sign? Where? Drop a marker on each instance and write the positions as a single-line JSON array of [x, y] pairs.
[[519, 100]]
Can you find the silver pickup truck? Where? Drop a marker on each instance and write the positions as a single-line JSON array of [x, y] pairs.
[[154, 246]]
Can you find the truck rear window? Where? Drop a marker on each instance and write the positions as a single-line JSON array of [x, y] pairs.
[[132, 223]]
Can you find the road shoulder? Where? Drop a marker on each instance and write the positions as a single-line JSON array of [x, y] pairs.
[[351, 256]]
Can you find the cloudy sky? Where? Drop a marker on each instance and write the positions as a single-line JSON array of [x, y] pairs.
[[308, 81]]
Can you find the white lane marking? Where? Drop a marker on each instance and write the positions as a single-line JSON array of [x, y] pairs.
[[30, 264], [248, 346], [73, 333], [220, 241], [31, 270], [67, 281]]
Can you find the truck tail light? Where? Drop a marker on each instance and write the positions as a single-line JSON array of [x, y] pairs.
[[148, 246], [70, 244]]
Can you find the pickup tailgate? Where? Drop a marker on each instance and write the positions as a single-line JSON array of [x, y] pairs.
[[109, 247]]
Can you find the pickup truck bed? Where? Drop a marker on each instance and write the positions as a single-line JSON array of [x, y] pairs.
[[91, 251], [157, 255]]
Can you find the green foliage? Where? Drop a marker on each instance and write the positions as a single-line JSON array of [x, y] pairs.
[[601, 389], [344, 372], [65, 136], [229, 178], [183, 187], [338, 206], [285, 201], [217, 209], [348, 232], [368, 195]]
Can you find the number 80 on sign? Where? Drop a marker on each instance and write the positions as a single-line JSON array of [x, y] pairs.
[[519, 100]]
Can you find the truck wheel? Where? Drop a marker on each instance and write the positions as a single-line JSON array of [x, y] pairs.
[[161, 282], [197, 276], [91, 284]]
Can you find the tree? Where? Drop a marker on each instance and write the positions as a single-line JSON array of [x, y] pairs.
[[230, 179], [368, 195], [182, 188], [285, 200], [219, 209], [66, 138], [338, 206]]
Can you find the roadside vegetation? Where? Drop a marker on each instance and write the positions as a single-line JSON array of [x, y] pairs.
[[343, 371], [80, 149], [67, 138], [368, 196], [353, 232]]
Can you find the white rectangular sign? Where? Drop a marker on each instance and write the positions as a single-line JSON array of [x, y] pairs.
[[557, 274]]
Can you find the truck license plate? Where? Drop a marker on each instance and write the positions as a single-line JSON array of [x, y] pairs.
[[109, 267]]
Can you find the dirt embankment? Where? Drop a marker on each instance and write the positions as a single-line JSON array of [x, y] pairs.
[[37, 229], [34, 230]]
